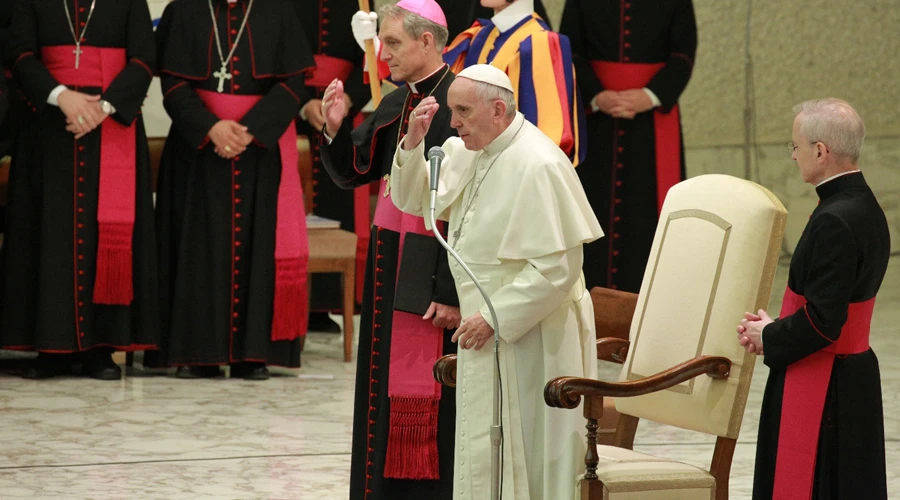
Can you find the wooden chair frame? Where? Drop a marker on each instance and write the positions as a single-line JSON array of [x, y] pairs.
[[568, 392]]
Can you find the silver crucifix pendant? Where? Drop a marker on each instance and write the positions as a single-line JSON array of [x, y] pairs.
[[222, 75], [77, 53]]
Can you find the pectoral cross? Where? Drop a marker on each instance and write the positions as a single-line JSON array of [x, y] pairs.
[[222, 75], [387, 185], [77, 53]]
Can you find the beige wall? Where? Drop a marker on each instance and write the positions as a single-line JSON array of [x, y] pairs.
[[800, 50], [156, 120]]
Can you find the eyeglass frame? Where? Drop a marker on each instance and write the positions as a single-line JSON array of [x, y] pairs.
[[793, 147]]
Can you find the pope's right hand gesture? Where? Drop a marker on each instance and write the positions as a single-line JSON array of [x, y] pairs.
[[334, 107], [419, 122]]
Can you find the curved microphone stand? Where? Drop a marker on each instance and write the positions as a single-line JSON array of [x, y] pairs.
[[435, 155]]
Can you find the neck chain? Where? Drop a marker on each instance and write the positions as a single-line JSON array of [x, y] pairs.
[[223, 73], [77, 38], [458, 232]]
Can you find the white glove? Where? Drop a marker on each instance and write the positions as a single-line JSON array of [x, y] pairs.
[[365, 27]]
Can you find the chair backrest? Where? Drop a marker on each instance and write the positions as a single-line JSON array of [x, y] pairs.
[[713, 258], [613, 310]]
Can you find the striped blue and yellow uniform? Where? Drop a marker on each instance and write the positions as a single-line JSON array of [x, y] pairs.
[[539, 64]]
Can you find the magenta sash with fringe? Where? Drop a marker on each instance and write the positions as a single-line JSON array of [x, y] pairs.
[[289, 316], [415, 345], [116, 199]]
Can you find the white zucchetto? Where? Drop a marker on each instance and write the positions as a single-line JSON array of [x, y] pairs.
[[487, 74]]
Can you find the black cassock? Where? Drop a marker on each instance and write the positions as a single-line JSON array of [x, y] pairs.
[[50, 246], [216, 218], [354, 159], [462, 13], [840, 260], [619, 173], [11, 101], [5, 101], [326, 24]]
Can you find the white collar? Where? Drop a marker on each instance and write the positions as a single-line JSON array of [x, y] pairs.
[[833, 177], [412, 85], [513, 15]]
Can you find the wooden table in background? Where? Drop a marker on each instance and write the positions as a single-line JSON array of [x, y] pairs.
[[334, 251]]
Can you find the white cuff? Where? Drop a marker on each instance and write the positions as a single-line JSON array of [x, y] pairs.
[[594, 107], [328, 140], [402, 154], [655, 100], [303, 113], [53, 98]]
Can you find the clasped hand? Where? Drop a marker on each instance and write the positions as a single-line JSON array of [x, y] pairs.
[[623, 104], [312, 110], [750, 331], [230, 138], [83, 112]]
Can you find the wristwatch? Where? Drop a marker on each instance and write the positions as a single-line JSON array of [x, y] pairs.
[[106, 107]]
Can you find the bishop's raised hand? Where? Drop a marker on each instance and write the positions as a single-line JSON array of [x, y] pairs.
[[419, 122], [334, 107]]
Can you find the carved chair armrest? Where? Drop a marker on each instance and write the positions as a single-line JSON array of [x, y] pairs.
[[612, 349], [566, 392], [445, 370]]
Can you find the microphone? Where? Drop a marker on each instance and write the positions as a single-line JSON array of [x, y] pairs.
[[435, 156]]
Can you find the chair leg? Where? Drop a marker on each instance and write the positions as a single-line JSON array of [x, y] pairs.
[[349, 282], [721, 465]]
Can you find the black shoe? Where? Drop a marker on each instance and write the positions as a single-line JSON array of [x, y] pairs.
[[250, 371], [197, 372], [321, 322], [101, 366], [48, 366]]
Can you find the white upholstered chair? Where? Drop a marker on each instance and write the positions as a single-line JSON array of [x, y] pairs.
[[713, 258]]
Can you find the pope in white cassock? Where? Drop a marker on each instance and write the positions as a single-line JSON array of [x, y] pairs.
[[518, 217]]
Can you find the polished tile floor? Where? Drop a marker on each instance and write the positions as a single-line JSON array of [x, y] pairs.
[[152, 436]]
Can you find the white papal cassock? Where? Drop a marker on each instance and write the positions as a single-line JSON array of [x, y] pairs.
[[521, 232]]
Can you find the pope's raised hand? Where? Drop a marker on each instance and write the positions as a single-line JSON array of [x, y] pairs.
[[334, 107], [419, 122]]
